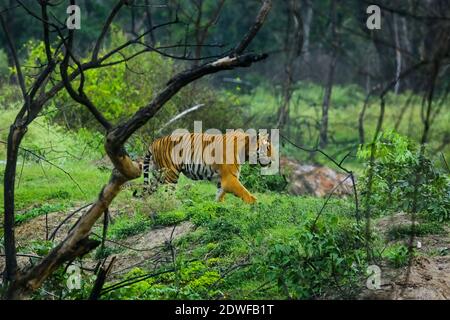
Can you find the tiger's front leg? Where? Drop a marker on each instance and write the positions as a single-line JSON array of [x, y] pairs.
[[231, 184]]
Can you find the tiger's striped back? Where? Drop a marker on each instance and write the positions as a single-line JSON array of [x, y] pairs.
[[165, 162]]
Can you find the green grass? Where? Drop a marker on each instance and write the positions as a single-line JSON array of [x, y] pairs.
[[38, 211], [263, 235], [126, 226], [37, 185], [71, 176]]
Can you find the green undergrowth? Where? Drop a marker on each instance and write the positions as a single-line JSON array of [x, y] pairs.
[[277, 248]]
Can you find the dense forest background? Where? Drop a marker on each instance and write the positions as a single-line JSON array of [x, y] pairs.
[[368, 110]]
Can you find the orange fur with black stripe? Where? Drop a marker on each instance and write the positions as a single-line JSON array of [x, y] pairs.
[[202, 156]]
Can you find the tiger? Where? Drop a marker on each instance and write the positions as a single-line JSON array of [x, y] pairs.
[[203, 156]]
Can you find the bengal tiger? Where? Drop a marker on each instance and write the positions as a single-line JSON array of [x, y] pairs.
[[202, 156]]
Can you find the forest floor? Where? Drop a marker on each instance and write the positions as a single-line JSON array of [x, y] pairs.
[[139, 250], [426, 276]]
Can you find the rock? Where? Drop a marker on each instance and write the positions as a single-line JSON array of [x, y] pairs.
[[319, 181]]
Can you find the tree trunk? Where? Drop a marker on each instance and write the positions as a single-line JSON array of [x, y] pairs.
[[307, 30], [15, 136], [287, 94], [323, 138], [293, 48], [398, 54], [326, 101]]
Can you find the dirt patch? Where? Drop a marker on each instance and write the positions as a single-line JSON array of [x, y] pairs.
[[427, 278], [148, 249]]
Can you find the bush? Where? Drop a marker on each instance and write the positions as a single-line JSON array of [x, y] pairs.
[[170, 218], [252, 179], [403, 179], [421, 229], [397, 255], [39, 211], [308, 264], [192, 280], [125, 226]]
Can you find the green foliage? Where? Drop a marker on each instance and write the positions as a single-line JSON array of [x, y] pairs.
[[275, 236], [397, 255], [403, 178], [252, 178], [40, 247], [171, 217], [4, 67], [261, 243], [308, 264], [50, 140], [193, 281], [126, 226], [104, 252], [39, 211]]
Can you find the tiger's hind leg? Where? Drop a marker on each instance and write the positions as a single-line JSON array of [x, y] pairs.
[[157, 177], [147, 166]]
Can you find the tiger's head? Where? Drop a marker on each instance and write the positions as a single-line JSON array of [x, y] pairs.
[[264, 150], [260, 149]]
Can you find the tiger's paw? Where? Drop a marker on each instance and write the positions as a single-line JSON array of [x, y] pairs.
[[251, 199]]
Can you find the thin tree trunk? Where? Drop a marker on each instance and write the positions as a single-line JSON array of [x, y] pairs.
[[330, 79], [368, 80], [284, 110], [15, 136], [307, 30], [398, 54], [326, 101], [148, 15], [293, 48]]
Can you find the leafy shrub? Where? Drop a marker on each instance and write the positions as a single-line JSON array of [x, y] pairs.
[[125, 226], [60, 194], [39, 211], [397, 255], [308, 264], [252, 179], [192, 280], [104, 252], [403, 179], [171, 217], [163, 200]]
